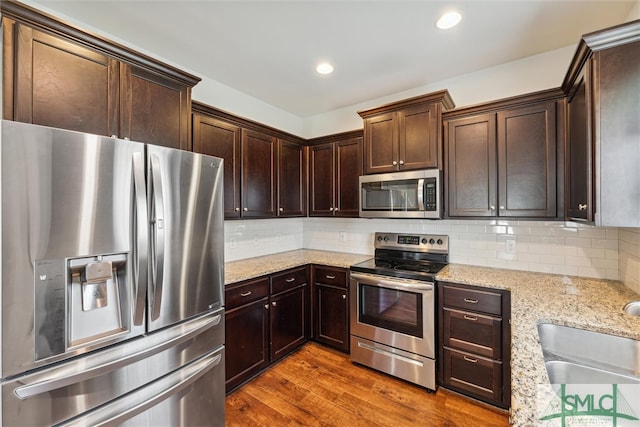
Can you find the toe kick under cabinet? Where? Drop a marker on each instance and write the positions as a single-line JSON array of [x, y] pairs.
[[475, 342]]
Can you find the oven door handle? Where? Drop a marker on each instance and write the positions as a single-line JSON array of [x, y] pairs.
[[381, 281]]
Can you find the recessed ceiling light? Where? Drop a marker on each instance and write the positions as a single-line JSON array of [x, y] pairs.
[[449, 20], [324, 68]]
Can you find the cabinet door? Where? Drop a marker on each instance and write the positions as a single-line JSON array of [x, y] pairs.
[[289, 321], [381, 143], [58, 83], [258, 175], [418, 138], [217, 138], [246, 342], [527, 161], [471, 175], [331, 316], [579, 153], [291, 180], [348, 171], [154, 109], [321, 180]]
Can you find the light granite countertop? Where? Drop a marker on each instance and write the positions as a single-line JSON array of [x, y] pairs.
[[537, 297], [584, 303], [236, 271]]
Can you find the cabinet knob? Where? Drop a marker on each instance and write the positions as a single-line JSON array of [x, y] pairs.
[[502, 207], [492, 207], [344, 296], [237, 209], [274, 303], [331, 209], [401, 162], [281, 209], [336, 209], [266, 306], [582, 207], [245, 209], [394, 163]]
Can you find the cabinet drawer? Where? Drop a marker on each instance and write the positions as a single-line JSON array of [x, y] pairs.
[[237, 295], [473, 299], [473, 332], [473, 374], [287, 280], [331, 276]]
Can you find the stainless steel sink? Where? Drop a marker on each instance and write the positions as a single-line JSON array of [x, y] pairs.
[[577, 356], [632, 308]]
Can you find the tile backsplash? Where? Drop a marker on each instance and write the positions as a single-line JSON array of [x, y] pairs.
[[543, 246]]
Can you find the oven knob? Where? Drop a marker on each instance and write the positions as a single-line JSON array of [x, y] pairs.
[[431, 241], [379, 238], [424, 241], [386, 238], [440, 241]]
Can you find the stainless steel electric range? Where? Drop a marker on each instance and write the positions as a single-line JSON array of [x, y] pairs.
[[392, 306]]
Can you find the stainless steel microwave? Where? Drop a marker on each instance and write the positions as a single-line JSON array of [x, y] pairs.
[[411, 194]]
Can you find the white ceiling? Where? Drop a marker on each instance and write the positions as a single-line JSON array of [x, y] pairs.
[[269, 49]]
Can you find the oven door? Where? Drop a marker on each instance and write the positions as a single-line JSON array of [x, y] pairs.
[[396, 312]]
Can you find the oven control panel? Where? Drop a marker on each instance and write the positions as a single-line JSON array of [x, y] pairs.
[[435, 243]]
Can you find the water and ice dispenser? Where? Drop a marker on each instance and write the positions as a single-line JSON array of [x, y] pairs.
[[81, 303]]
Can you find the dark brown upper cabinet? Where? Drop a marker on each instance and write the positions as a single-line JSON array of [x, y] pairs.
[[292, 182], [264, 169], [504, 163], [220, 139], [57, 75], [603, 93], [405, 135], [334, 171], [258, 171]]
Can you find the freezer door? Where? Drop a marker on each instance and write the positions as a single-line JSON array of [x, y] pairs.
[[174, 377], [67, 204], [187, 235]]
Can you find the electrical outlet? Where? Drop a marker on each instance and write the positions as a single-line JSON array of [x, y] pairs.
[[343, 236], [256, 241], [510, 246], [232, 242]]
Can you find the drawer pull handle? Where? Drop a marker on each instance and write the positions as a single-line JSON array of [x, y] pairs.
[[293, 279], [245, 294], [470, 301], [470, 359], [330, 277], [470, 318]]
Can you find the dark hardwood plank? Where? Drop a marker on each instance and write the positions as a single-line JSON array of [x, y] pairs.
[[318, 386]]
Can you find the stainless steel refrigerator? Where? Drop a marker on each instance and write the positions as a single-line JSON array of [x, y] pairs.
[[111, 283]]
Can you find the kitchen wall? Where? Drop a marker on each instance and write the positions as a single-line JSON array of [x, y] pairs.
[[550, 247], [629, 257]]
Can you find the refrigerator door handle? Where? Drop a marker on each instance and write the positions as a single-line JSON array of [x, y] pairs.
[[65, 378], [130, 405], [140, 239], [157, 239]]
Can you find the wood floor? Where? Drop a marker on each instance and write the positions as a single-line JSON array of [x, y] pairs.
[[317, 386]]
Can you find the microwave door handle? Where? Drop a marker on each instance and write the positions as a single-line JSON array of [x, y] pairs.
[[140, 249], [421, 194], [157, 239]]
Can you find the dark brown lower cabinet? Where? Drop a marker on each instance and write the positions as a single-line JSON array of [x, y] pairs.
[[288, 317], [331, 306], [266, 319], [475, 341], [246, 330]]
